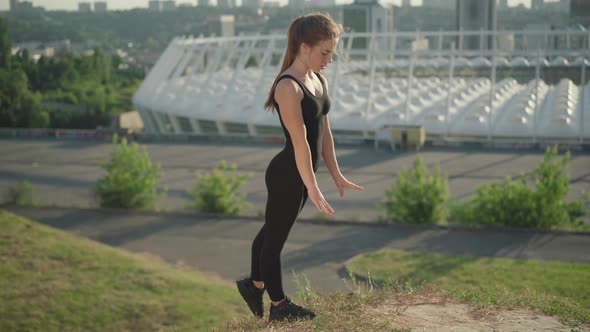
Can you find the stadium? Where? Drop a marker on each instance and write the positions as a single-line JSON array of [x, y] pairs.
[[512, 86]]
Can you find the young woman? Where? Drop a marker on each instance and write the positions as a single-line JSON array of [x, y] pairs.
[[300, 96]]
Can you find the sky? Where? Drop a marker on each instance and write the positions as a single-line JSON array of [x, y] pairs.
[[126, 4]]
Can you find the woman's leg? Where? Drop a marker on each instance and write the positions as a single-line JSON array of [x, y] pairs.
[[282, 209], [256, 250]]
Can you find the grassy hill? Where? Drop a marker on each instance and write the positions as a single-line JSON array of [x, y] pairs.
[[54, 281], [554, 288]]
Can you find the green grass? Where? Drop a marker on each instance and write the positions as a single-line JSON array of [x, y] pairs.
[[55, 281], [560, 289], [340, 311]]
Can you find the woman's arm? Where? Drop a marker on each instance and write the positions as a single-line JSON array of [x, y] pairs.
[[288, 95], [329, 156], [328, 151]]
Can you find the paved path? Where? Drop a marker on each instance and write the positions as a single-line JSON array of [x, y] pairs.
[[315, 249], [62, 172]]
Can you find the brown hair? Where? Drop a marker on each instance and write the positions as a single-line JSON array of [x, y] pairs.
[[309, 29]]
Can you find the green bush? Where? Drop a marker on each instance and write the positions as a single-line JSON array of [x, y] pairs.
[[131, 178], [217, 191], [417, 197], [536, 201], [459, 211], [510, 203], [22, 194]]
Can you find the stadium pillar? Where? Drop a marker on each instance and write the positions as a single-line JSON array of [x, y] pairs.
[[372, 64], [537, 78], [582, 97], [195, 126], [493, 88], [161, 126], [349, 47], [409, 92], [334, 83], [393, 47], [481, 41], [440, 42], [450, 89], [492, 92]]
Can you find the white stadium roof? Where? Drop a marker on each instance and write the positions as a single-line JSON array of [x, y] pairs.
[[218, 86]]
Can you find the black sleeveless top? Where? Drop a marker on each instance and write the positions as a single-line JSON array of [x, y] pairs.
[[314, 111]]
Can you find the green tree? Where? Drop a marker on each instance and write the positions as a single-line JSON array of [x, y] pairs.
[[5, 46], [18, 106]]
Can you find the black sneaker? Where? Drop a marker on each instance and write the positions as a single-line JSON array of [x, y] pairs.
[[252, 295], [289, 311]]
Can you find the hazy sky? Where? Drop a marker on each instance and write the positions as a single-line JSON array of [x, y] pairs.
[[125, 4]]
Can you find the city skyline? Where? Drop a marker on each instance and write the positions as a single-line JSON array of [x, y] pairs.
[[128, 4]]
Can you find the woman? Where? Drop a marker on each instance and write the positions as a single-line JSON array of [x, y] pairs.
[[300, 96]]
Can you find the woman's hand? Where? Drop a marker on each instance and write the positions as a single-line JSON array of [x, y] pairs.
[[342, 182], [315, 195]]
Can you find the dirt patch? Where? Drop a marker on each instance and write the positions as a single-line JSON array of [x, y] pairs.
[[422, 313]]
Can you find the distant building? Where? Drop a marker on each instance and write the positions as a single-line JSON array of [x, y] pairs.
[[100, 6], [25, 5], [580, 11], [406, 3], [16, 5], [185, 5], [503, 4], [154, 5], [561, 6], [222, 26], [204, 3], [540, 40], [271, 4], [321, 3], [84, 7], [441, 4], [254, 4], [168, 5], [13, 5], [554, 6], [46, 49], [298, 4], [226, 3], [476, 15], [367, 16]]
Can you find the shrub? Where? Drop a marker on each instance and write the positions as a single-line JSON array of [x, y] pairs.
[[217, 191], [22, 194], [131, 178], [417, 196], [460, 211], [536, 201], [507, 203]]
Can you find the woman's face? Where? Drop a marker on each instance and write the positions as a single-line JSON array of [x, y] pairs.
[[319, 56]]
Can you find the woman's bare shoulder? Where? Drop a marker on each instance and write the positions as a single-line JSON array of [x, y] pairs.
[[288, 89]]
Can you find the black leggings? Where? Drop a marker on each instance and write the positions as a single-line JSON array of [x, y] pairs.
[[285, 201]]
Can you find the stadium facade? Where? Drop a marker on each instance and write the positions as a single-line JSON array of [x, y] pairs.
[[526, 86]]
